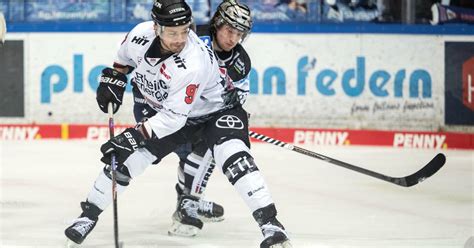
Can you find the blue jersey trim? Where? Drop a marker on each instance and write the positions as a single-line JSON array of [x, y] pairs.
[[371, 28]]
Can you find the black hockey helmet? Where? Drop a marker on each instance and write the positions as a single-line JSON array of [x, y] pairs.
[[235, 14], [171, 12]]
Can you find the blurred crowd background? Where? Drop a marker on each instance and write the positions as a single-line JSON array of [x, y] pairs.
[[265, 11]]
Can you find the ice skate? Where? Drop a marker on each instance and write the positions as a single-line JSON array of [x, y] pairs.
[[79, 230], [274, 235], [83, 225], [185, 219], [210, 211]]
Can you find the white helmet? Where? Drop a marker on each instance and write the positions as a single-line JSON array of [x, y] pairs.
[[235, 14]]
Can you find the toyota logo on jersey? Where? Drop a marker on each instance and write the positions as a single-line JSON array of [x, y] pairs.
[[229, 121]]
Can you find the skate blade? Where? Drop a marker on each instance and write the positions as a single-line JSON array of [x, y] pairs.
[[178, 229], [212, 219], [71, 244], [285, 244]]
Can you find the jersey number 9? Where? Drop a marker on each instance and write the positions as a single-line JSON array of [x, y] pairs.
[[190, 91]]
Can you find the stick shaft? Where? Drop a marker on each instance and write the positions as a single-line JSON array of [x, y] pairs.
[[114, 176], [426, 171]]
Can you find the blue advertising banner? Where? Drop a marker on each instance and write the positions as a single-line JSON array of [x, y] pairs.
[[70, 10], [459, 83]]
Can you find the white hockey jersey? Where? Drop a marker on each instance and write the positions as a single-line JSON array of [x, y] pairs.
[[183, 85]]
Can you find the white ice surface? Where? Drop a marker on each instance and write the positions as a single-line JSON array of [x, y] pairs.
[[321, 205]]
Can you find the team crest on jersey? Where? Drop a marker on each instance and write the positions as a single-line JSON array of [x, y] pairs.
[[157, 89], [153, 61]]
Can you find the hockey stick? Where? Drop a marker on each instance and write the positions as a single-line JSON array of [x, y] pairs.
[[428, 170], [114, 177]]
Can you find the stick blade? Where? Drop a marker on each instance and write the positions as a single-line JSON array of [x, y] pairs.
[[427, 171]]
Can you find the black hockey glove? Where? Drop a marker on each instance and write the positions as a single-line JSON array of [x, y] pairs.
[[111, 88], [123, 145]]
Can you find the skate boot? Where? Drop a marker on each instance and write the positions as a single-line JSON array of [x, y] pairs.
[[208, 211], [185, 219], [82, 226], [274, 234]]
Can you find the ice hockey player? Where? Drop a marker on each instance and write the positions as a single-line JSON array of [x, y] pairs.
[[178, 76], [229, 27]]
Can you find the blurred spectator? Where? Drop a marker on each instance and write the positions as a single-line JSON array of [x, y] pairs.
[[423, 10], [4, 9], [71, 10], [134, 11], [139, 10], [392, 9], [282, 10], [350, 10], [462, 3], [294, 5], [460, 13]]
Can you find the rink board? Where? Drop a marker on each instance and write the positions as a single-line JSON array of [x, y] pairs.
[[340, 81], [297, 136]]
